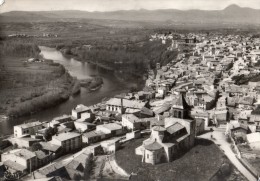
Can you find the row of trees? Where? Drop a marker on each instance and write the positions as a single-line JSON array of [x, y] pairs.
[[17, 48], [132, 57]]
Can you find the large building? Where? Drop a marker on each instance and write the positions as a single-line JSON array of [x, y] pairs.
[[121, 105], [69, 142], [27, 129], [20, 160], [166, 142]]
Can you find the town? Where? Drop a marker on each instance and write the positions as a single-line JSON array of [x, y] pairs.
[[210, 92]]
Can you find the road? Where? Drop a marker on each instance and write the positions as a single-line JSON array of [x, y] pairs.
[[220, 139]]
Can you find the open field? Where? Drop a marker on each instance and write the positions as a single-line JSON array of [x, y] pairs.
[[203, 162], [29, 87]]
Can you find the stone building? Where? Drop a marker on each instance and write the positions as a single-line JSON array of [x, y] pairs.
[[168, 141]]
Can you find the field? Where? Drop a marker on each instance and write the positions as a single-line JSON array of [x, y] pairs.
[[203, 162], [29, 87]]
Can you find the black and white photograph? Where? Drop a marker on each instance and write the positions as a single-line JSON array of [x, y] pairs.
[[138, 90]]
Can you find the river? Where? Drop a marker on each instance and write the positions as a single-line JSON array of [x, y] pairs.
[[81, 70]]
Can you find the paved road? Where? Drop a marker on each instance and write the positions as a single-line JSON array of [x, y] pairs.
[[220, 139]]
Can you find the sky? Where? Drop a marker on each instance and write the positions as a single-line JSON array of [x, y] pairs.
[[113, 5]]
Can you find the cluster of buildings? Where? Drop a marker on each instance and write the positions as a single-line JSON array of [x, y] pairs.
[[179, 101], [28, 36]]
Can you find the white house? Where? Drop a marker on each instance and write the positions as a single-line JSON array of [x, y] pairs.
[[27, 128], [130, 121]]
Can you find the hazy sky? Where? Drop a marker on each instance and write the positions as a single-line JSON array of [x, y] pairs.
[[111, 5]]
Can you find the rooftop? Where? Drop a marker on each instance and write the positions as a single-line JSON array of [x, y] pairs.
[[126, 103], [175, 128], [180, 103], [111, 126], [29, 125], [66, 136], [153, 146], [131, 117], [14, 165], [81, 108]]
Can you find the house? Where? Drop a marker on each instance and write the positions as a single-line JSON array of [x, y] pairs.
[[84, 126], [221, 116], [69, 141], [113, 129], [110, 146], [59, 120], [131, 122], [42, 158], [145, 113], [121, 105], [52, 170], [79, 162], [54, 150], [27, 128], [133, 135], [160, 110], [94, 136], [246, 102], [24, 142], [20, 160], [201, 114], [238, 131], [166, 142], [78, 110]]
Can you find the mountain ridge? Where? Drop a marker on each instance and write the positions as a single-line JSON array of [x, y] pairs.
[[233, 14]]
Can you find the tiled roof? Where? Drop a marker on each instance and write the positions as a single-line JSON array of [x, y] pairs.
[[14, 165], [66, 136], [126, 103], [29, 125], [40, 154], [111, 126], [131, 118], [174, 128], [24, 153], [93, 134], [50, 147], [153, 146], [180, 103]]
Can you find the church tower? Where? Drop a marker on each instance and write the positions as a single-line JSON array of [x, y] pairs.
[[180, 108]]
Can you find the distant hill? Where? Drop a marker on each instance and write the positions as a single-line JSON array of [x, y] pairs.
[[233, 14]]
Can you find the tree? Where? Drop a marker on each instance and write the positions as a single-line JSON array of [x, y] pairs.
[[35, 147], [49, 132], [88, 167]]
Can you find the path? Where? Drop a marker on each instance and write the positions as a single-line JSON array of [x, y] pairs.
[[220, 139]]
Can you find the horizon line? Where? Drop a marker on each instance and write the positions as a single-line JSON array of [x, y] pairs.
[[141, 9]]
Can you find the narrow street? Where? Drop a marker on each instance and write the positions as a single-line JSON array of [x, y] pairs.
[[220, 140]]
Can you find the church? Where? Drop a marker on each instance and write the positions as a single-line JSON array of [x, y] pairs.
[[168, 141]]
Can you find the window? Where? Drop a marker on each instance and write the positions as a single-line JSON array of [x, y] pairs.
[[147, 155]]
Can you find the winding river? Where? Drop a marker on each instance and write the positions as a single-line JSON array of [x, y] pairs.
[[81, 70]]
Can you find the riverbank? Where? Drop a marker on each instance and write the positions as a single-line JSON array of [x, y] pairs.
[[35, 86], [131, 61]]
